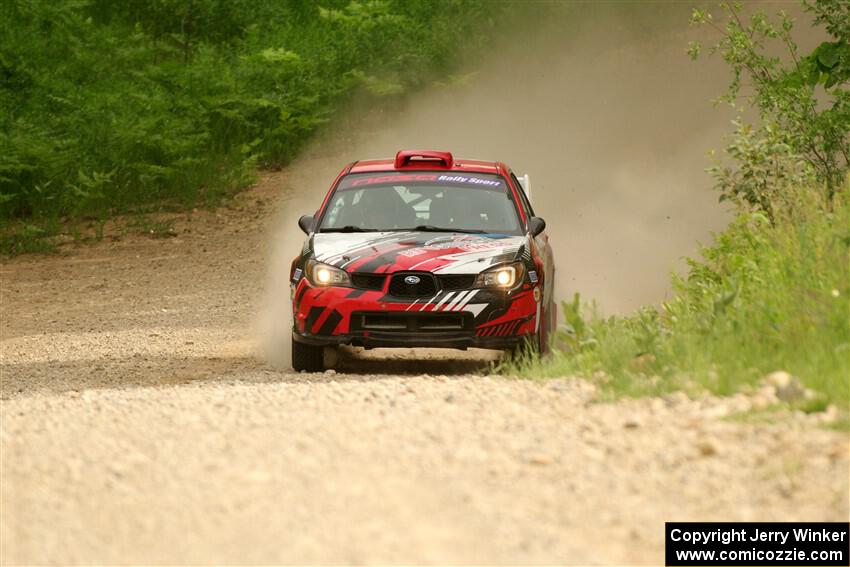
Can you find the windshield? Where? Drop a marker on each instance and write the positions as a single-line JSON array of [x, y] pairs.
[[477, 203]]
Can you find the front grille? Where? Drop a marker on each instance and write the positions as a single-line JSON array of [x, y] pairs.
[[368, 281], [425, 287], [406, 322], [458, 281]]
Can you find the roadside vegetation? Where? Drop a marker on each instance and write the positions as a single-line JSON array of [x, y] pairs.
[[150, 105], [772, 292]]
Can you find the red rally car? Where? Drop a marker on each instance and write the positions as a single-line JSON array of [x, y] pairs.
[[422, 251]]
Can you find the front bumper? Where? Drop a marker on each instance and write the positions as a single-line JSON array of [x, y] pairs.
[[432, 340], [471, 318]]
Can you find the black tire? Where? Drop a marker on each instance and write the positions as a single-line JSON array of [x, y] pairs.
[[307, 357]]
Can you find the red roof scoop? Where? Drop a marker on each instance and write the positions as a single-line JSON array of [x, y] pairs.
[[418, 158]]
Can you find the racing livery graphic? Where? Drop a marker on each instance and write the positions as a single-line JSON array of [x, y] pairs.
[[422, 251]]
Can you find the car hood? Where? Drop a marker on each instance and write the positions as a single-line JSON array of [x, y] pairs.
[[438, 252]]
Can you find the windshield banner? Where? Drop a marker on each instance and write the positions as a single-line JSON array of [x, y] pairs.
[[478, 180]]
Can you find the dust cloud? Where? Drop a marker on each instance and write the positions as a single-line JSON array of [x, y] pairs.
[[601, 106]]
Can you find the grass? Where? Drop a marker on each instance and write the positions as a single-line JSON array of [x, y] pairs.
[[31, 239], [763, 297], [26, 239]]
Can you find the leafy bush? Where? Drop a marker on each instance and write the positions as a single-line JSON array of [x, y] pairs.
[[765, 296], [803, 101], [111, 106]]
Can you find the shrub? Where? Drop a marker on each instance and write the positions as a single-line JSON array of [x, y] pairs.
[[803, 101], [765, 296], [108, 106]]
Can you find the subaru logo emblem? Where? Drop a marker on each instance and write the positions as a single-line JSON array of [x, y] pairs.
[[412, 280]]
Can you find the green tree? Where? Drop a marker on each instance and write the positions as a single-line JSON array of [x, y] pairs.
[[803, 100]]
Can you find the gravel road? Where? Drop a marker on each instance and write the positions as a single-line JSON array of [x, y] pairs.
[[138, 426]]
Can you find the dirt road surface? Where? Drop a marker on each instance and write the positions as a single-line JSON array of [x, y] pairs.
[[138, 426]]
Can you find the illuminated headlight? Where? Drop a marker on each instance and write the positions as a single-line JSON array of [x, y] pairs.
[[502, 276], [324, 275]]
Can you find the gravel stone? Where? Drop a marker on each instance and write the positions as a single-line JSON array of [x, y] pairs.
[[138, 425]]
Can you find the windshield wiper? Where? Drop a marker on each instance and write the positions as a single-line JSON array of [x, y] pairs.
[[420, 228], [432, 228], [349, 228]]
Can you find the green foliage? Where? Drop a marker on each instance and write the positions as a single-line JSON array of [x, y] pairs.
[[108, 106], [575, 335], [803, 101], [29, 239], [765, 296], [770, 297], [766, 168]]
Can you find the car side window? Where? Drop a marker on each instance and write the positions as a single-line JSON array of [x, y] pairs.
[[525, 203]]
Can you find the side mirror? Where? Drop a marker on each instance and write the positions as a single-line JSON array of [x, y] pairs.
[[305, 223], [536, 225]]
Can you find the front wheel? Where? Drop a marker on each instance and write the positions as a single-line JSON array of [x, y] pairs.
[[306, 357]]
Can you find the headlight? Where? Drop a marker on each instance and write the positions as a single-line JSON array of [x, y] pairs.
[[501, 276], [324, 275]]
